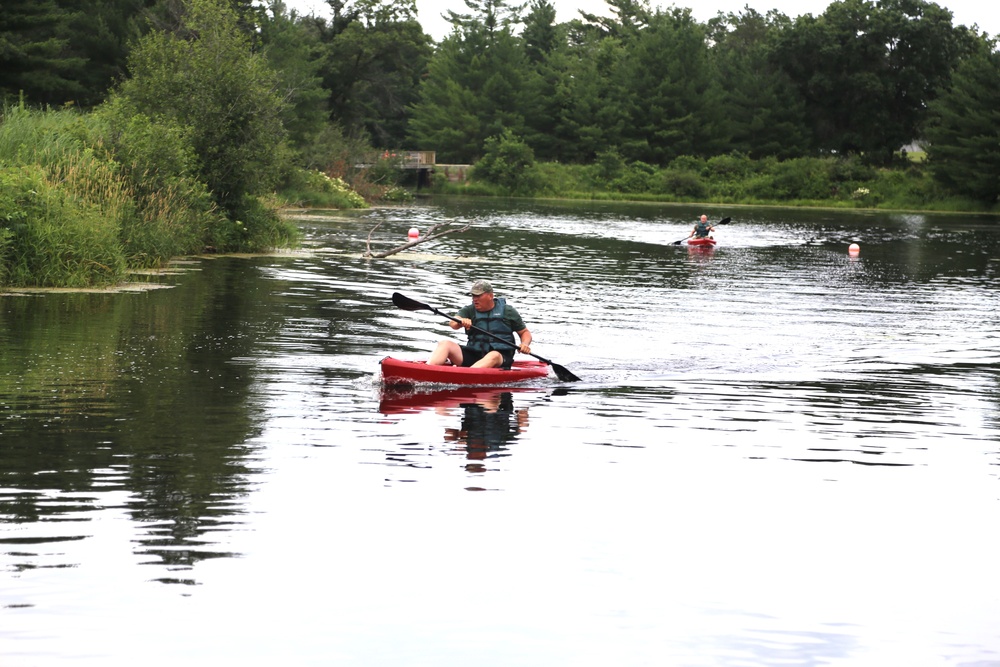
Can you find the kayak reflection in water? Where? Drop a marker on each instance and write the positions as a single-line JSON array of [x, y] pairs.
[[488, 424]]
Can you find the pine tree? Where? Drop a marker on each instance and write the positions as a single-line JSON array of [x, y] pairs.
[[103, 33], [963, 134], [376, 53], [672, 98], [475, 89], [34, 55], [764, 112]]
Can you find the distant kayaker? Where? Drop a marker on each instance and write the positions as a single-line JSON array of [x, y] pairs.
[[491, 314], [702, 228]]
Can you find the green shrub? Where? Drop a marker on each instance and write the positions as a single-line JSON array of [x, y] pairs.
[[53, 237], [904, 188], [682, 183], [689, 163], [608, 166], [638, 177], [849, 169], [257, 228], [174, 211], [560, 180], [177, 219], [800, 178], [309, 187], [384, 171], [507, 162], [63, 201], [735, 166]]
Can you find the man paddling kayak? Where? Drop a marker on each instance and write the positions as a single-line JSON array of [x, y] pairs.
[[702, 229], [491, 314]]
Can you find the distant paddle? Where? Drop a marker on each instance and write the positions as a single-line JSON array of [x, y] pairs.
[[724, 221], [407, 303]]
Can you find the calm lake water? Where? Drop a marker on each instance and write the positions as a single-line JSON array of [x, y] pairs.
[[779, 453]]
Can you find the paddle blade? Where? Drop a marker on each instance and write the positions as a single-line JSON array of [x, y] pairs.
[[563, 373], [407, 303], [724, 221]]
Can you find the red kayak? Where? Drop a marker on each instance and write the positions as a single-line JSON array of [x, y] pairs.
[[705, 242], [399, 371]]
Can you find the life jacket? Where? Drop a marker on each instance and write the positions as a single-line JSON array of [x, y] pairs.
[[492, 321], [701, 230]]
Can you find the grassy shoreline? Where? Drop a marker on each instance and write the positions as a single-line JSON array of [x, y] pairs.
[[659, 201], [87, 198], [835, 183]]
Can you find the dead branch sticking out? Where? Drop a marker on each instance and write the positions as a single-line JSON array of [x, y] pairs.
[[431, 234]]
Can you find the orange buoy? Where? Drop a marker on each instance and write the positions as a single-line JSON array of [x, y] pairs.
[[854, 249], [413, 233]]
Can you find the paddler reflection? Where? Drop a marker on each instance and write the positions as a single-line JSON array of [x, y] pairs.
[[489, 422]]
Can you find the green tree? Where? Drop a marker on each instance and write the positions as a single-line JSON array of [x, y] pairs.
[[867, 70], [629, 17], [102, 33], [475, 89], [489, 15], [592, 116], [507, 161], [540, 35], [35, 58], [376, 54], [294, 50], [964, 143], [599, 94], [446, 116], [764, 112], [206, 79], [544, 45], [673, 101]]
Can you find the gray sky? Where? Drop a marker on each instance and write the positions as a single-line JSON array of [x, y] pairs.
[[985, 13]]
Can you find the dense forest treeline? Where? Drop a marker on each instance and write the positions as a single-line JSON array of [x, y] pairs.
[[194, 112]]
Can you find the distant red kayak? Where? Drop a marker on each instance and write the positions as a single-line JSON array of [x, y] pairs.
[[399, 371], [703, 242]]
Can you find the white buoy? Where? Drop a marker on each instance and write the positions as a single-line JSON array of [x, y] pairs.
[[413, 233], [854, 249]]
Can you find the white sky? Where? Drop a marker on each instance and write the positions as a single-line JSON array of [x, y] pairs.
[[985, 13]]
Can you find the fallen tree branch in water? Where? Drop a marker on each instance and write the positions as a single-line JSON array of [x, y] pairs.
[[431, 234]]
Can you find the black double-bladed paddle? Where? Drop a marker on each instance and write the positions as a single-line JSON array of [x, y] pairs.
[[407, 303], [724, 221]]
